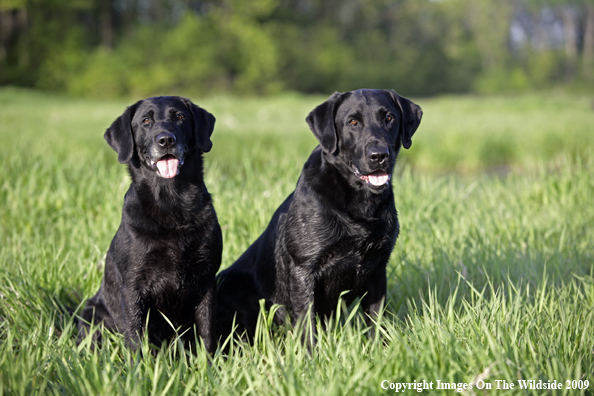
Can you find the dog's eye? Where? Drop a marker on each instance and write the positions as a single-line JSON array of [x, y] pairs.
[[146, 121], [389, 118], [353, 122], [179, 117]]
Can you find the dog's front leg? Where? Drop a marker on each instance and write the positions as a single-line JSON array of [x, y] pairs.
[[303, 305], [205, 317], [133, 315], [374, 299]]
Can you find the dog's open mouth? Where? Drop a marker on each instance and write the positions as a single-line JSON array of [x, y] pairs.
[[376, 179], [168, 166]]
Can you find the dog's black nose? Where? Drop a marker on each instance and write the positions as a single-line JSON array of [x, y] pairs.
[[378, 154], [165, 139]]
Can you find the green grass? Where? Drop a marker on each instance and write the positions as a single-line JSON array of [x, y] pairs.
[[492, 277]]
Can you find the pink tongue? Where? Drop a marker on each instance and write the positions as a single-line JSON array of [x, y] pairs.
[[168, 167], [378, 180]]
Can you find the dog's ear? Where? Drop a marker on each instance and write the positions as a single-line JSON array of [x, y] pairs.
[[321, 121], [411, 118], [203, 125], [119, 135]]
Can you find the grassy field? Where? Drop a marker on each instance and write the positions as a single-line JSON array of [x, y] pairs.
[[491, 280]]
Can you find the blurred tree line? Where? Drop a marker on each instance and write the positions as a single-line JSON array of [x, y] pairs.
[[421, 47]]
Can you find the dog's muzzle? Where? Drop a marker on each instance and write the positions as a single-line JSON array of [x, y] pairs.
[[376, 179]]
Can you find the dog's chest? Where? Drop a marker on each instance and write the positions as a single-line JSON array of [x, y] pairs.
[[168, 262], [169, 279], [333, 245], [178, 252], [168, 253]]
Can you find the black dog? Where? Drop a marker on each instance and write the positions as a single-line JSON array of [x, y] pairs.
[[167, 250], [336, 231]]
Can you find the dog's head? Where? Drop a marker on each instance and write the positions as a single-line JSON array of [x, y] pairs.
[[158, 134], [362, 131]]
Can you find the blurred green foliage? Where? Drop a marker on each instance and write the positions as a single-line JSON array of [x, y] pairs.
[[111, 48]]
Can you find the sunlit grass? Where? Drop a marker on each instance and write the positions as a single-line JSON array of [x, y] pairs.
[[491, 277]]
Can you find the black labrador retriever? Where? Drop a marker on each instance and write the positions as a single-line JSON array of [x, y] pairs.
[[162, 262], [336, 231]]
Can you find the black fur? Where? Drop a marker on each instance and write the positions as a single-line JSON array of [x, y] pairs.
[[336, 231], [167, 250]]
